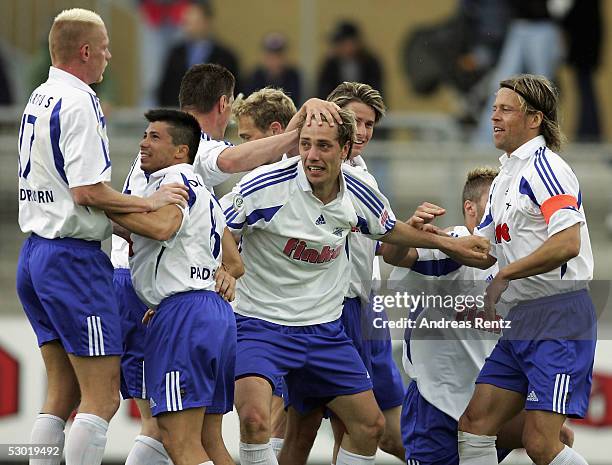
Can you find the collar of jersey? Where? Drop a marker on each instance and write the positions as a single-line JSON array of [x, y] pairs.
[[57, 74], [305, 185], [181, 167], [525, 151]]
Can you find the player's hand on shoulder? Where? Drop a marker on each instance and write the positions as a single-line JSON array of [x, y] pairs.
[[173, 193], [317, 109], [225, 284]]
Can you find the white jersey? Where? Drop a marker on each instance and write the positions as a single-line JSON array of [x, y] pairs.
[[445, 362], [62, 145], [294, 248], [535, 196], [363, 261], [205, 164], [188, 261]]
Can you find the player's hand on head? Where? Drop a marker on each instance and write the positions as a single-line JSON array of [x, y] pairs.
[[173, 193], [317, 109], [225, 284]]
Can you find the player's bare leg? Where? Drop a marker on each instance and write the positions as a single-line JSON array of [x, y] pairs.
[[339, 430], [212, 440], [62, 398], [510, 436], [253, 400], [148, 447], [99, 383], [300, 436], [541, 435], [364, 423], [489, 408], [182, 436], [391, 441], [278, 422]]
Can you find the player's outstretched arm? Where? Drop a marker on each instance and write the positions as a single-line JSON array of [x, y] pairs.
[[421, 219], [472, 247], [251, 154], [104, 197], [159, 225]]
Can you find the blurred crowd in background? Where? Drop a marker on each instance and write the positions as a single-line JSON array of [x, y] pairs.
[[468, 52]]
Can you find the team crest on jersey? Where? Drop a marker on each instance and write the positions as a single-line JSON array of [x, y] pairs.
[[238, 202]]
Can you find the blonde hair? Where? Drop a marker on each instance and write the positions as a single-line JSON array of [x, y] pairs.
[[477, 181], [69, 30], [265, 107], [537, 93]]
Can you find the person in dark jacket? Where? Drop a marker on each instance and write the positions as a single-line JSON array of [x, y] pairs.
[[349, 60], [198, 47]]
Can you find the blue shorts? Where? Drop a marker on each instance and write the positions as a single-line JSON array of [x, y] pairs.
[[278, 387], [190, 354], [131, 310], [554, 374], [430, 435], [318, 362], [66, 289], [387, 380], [356, 329]]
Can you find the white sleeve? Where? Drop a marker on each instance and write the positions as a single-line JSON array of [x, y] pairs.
[[374, 215], [552, 191], [205, 163], [170, 178], [486, 228], [83, 142]]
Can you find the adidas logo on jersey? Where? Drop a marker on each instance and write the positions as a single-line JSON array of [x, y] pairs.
[[338, 232], [532, 397], [320, 220]]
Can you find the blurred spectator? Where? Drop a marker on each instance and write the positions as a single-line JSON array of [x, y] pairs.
[[533, 45], [198, 47], [584, 30], [6, 91], [274, 70], [349, 60], [458, 52], [159, 23]]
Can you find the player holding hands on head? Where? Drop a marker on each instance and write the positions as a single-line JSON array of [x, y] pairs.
[[292, 329]]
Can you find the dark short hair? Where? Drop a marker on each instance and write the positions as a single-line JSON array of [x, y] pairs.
[[203, 85], [184, 128], [345, 131]]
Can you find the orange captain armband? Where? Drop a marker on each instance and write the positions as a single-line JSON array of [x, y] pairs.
[[556, 203]]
